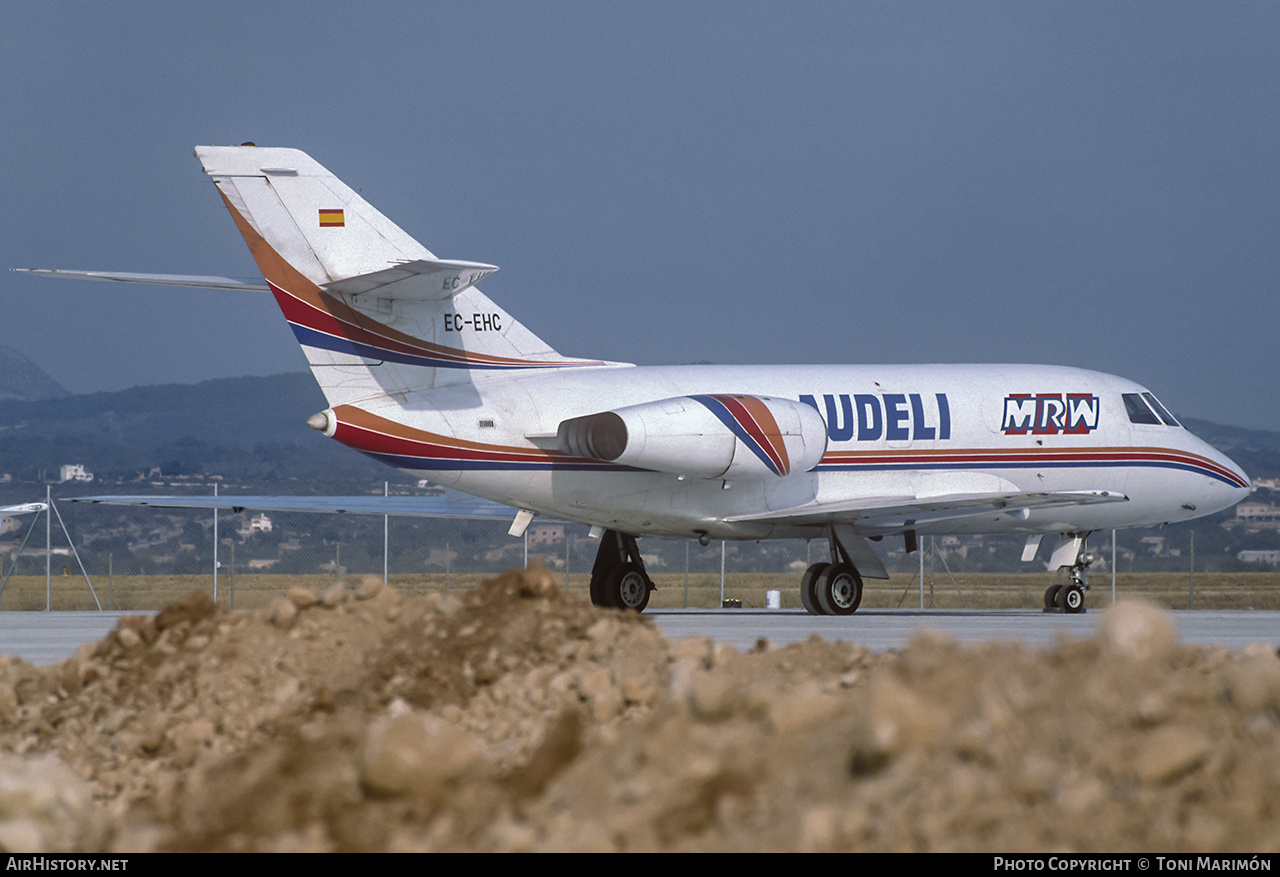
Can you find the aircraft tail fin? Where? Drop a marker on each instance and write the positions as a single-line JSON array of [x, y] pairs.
[[374, 310]]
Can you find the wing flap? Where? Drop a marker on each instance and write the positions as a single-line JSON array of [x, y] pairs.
[[895, 511]]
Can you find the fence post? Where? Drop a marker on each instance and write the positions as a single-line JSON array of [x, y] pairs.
[[722, 554], [1113, 567], [686, 574], [48, 549], [1192, 583], [215, 544]]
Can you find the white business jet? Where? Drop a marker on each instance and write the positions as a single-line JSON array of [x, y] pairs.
[[424, 372]]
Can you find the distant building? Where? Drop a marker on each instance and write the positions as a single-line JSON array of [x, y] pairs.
[[1258, 514], [545, 534], [1271, 557], [75, 472], [257, 524]]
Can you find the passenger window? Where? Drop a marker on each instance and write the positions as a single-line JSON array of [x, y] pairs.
[[1138, 410], [1160, 410]]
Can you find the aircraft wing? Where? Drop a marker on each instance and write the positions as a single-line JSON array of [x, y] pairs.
[[26, 508], [198, 280], [460, 506], [892, 513]]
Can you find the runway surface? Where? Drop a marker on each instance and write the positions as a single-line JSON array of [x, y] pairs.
[[888, 629], [44, 638]]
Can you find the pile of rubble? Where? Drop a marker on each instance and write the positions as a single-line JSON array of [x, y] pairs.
[[515, 717]]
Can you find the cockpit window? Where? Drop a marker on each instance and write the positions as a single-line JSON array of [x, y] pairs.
[[1138, 410], [1160, 410]]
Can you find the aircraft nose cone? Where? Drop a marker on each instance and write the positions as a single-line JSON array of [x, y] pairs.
[[1237, 475], [1226, 473], [1248, 484]]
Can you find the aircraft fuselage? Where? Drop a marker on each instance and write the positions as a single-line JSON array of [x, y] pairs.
[[891, 431]]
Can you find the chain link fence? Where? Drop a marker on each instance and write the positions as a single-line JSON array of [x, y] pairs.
[[141, 559]]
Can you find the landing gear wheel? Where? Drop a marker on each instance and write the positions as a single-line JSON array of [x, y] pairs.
[[627, 587], [1051, 596], [598, 596], [618, 577], [808, 594], [839, 589], [1071, 599]]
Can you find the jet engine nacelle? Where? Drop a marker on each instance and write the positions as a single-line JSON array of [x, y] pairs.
[[722, 435]]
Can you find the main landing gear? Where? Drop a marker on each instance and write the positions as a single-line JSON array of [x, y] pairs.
[[618, 577], [1069, 597], [832, 588]]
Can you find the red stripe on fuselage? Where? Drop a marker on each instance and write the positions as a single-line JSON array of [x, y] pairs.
[[321, 312], [994, 458], [359, 429], [758, 421]]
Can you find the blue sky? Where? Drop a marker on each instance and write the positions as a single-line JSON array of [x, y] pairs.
[[1091, 184]]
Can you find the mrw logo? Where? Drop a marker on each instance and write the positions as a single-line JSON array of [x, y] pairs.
[[1050, 414]]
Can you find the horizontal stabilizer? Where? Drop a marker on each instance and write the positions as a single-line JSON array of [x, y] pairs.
[[202, 281], [893, 512], [418, 280], [458, 506]]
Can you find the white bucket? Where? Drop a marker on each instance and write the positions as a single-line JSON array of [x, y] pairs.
[[773, 599]]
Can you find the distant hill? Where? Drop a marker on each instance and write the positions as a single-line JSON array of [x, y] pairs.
[[23, 380], [252, 430], [228, 412], [1256, 450]]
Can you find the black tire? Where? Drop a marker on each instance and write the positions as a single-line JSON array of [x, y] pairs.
[[1051, 597], [839, 589], [808, 595], [598, 595], [627, 587], [1072, 599]]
